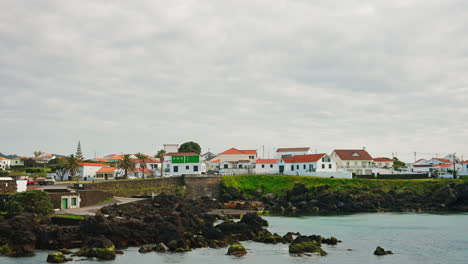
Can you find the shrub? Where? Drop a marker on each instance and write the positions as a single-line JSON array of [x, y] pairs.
[[34, 201]]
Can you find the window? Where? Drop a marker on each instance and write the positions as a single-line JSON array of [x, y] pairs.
[[156, 166], [251, 157], [329, 166], [240, 166], [225, 166], [195, 168], [176, 168], [271, 165], [292, 167], [297, 166], [263, 166], [187, 167], [323, 166], [305, 167], [73, 201], [323, 159]]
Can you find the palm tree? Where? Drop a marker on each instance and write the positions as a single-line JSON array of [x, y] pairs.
[[72, 166], [160, 156], [142, 159], [126, 164]]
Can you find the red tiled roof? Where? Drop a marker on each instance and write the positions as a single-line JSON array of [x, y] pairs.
[[383, 160], [117, 157], [350, 154], [106, 169], [237, 151], [266, 161], [304, 158], [92, 164], [146, 161], [2, 158], [182, 154], [443, 160], [102, 159], [466, 161], [293, 149], [443, 165], [215, 161]]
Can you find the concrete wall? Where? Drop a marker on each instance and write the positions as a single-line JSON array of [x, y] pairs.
[[143, 187], [195, 187]]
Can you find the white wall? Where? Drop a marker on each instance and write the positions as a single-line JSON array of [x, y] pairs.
[[21, 185], [338, 175], [267, 168], [235, 157], [182, 168]]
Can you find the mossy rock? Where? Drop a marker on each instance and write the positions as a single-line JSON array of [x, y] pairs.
[[172, 245], [99, 253], [65, 251], [57, 257], [145, 249], [306, 247], [7, 250], [381, 252], [237, 250]]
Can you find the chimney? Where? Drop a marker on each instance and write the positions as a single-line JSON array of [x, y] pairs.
[[364, 148]]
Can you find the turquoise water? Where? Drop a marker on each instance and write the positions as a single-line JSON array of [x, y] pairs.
[[414, 238]]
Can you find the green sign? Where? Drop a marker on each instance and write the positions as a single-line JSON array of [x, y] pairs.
[[185, 159]]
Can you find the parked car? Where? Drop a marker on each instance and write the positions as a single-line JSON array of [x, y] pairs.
[[31, 182], [45, 181]]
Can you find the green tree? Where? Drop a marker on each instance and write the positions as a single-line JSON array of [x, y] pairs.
[[397, 164], [79, 154], [126, 164], [142, 160], [59, 167], [160, 156], [34, 201], [37, 153], [190, 147], [72, 166]]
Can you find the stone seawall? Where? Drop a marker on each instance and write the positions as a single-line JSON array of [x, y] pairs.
[[195, 187]]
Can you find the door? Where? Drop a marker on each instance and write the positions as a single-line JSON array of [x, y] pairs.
[[281, 169], [64, 203]]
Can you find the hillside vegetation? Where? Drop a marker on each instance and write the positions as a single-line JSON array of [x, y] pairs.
[[251, 185]]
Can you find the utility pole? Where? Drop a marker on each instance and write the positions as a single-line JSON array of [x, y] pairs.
[[263, 147], [415, 157], [454, 170]]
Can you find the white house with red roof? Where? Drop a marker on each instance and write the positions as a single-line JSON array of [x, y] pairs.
[[4, 163], [357, 161], [267, 166], [179, 163], [289, 152], [464, 168], [140, 173], [384, 163], [109, 173], [87, 171], [234, 161]]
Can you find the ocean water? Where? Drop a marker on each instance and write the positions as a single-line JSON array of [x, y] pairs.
[[414, 238]]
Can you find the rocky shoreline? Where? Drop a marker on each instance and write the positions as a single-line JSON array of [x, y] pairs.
[[166, 224], [325, 199]]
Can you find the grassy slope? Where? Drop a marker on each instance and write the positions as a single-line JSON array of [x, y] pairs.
[[279, 184]]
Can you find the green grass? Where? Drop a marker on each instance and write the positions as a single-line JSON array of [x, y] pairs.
[[77, 217], [278, 185]]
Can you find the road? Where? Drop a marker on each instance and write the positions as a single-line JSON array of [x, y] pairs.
[[91, 210]]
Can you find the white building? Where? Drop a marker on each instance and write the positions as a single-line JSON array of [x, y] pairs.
[[176, 164], [464, 168], [87, 171], [267, 166], [109, 173], [304, 164], [17, 162], [4, 163], [289, 152], [353, 160], [140, 173], [384, 163], [234, 162], [151, 164]]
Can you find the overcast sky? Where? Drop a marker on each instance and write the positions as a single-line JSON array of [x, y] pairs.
[[129, 76]]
